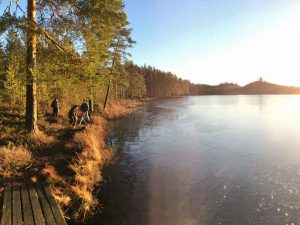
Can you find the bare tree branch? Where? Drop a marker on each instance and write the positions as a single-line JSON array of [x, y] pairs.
[[20, 8]]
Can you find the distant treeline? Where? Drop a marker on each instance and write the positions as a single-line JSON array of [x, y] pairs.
[[160, 84], [257, 87]]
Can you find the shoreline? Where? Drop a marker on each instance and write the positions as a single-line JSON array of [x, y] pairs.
[[64, 157]]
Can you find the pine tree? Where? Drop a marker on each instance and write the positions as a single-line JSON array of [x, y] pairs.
[[92, 25], [31, 76], [121, 42], [2, 73], [14, 70]]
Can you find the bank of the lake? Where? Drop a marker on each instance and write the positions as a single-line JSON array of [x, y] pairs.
[[70, 159]]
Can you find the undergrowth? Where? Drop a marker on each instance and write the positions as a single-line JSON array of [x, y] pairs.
[[70, 159], [13, 159], [116, 110]]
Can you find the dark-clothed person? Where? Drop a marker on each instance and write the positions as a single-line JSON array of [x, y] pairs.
[[72, 115], [55, 107]]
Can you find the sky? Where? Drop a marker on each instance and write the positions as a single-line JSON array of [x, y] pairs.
[[214, 41]]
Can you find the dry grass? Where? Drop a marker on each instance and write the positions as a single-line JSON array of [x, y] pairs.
[[115, 110], [52, 175], [59, 186], [61, 196], [13, 159], [52, 125], [40, 140], [78, 191], [89, 163], [119, 109], [74, 185]]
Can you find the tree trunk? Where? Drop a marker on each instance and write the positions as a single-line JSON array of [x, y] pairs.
[[116, 91], [91, 100], [108, 87], [106, 97], [31, 101]]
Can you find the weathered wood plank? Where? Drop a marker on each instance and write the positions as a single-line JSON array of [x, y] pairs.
[[7, 210], [47, 212], [36, 207], [26, 207], [54, 206], [16, 206], [29, 205]]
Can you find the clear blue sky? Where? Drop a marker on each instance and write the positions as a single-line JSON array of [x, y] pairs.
[[213, 41]]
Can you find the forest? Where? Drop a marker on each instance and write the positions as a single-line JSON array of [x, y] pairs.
[[73, 50], [70, 51]]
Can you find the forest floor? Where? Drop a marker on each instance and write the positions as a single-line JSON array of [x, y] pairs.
[[68, 158]]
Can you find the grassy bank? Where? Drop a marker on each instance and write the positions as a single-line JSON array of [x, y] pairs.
[[118, 109], [69, 159]]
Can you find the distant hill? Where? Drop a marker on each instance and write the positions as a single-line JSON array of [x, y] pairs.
[[257, 87]]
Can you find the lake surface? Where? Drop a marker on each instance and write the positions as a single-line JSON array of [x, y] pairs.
[[206, 160]]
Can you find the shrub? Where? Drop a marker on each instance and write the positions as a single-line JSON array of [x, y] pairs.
[[12, 159], [89, 163], [40, 139], [119, 109]]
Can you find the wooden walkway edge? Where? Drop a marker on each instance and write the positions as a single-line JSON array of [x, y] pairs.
[[30, 205]]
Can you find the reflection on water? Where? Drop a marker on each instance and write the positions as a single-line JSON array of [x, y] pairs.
[[206, 160]]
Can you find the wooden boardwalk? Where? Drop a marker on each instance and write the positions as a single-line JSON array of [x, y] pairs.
[[30, 205]]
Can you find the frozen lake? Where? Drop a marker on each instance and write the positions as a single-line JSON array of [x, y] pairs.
[[206, 160]]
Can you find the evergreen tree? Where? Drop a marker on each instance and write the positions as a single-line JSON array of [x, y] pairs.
[[122, 40], [14, 70], [92, 26], [75, 50], [2, 73]]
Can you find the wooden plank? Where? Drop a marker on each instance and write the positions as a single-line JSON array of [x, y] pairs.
[[7, 212], [16, 206], [47, 212], [54, 206], [36, 207], [26, 207]]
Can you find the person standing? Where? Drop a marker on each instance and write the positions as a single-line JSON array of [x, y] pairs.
[[55, 107], [84, 108]]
